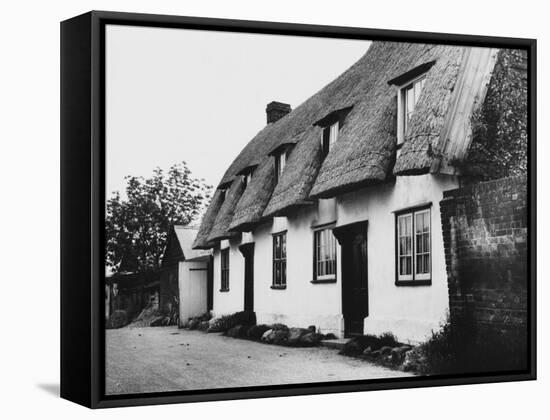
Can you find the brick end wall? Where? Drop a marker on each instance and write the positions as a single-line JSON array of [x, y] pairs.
[[485, 238]]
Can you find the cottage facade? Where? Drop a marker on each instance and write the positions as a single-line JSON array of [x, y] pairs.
[[330, 215]]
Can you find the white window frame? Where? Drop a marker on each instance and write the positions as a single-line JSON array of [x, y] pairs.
[[414, 276], [316, 260], [402, 105], [405, 277], [280, 163], [428, 275]]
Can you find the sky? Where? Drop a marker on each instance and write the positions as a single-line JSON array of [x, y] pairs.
[[200, 96]]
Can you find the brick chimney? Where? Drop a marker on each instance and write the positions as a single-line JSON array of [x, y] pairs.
[[276, 110]]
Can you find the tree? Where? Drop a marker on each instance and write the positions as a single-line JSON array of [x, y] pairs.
[[136, 227]]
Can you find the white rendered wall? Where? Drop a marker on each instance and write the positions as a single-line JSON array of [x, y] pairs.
[[302, 303], [231, 301], [409, 312], [192, 278]]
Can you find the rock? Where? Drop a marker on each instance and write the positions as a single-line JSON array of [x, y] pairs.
[[255, 332], [266, 334], [279, 337], [203, 326], [409, 366], [236, 331], [353, 347], [193, 323], [385, 350], [398, 353], [276, 327], [294, 335], [221, 324], [310, 339], [367, 351], [413, 360], [329, 336]]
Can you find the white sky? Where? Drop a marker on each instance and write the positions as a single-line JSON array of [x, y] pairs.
[[200, 96]]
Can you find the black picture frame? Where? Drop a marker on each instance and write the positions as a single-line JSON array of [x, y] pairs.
[[83, 199]]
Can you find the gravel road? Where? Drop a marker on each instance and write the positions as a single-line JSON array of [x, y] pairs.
[[169, 359]]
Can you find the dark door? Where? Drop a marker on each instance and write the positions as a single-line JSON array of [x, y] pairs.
[[210, 285], [248, 253], [355, 302]]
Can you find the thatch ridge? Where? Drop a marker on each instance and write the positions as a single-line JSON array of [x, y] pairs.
[[220, 228], [201, 240]]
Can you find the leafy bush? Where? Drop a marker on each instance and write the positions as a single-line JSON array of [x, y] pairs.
[[463, 349], [388, 339]]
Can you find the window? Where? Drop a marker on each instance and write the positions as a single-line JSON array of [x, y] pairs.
[[280, 162], [329, 136], [224, 270], [279, 261], [409, 95], [414, 247], [324, 256]]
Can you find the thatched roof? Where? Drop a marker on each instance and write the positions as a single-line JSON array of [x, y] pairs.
[[365, 152], [201, 240], [366, 144], [220, 228], [250, 207], [300, 171]]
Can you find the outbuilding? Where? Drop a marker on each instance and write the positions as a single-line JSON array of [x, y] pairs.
[[186, 283]]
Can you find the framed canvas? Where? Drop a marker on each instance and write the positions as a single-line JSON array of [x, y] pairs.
[[258, 209]]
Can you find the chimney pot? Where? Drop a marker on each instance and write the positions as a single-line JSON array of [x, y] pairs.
[[276, 110]]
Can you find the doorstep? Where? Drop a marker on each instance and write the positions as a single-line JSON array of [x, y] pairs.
[[337, 344]]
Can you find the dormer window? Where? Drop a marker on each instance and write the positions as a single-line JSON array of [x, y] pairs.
[[281, 154], [329, 136], [409, 85], [408, 97], [330, 128], [246, 175]]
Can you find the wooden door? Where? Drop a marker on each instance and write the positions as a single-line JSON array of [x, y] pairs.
[[248, 253], [355, 300]]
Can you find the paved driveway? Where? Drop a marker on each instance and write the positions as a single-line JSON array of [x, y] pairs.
[[168, 359]]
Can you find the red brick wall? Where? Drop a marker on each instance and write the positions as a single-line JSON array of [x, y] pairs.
[[485, 238]]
